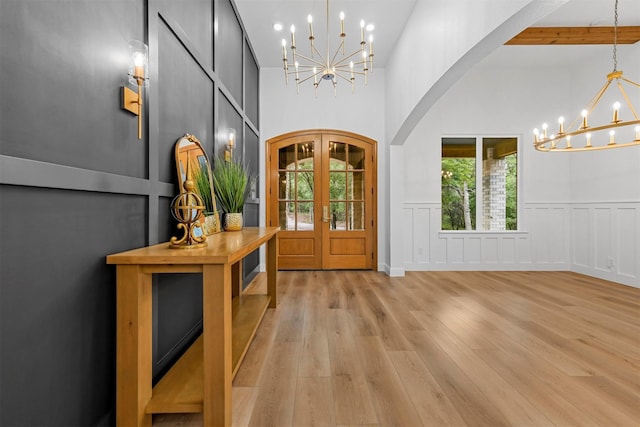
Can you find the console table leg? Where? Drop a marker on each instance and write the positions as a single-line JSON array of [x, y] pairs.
[[272, 270], [134, 346], [216, 331], [236, 279]]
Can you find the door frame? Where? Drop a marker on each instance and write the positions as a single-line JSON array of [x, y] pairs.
[[272, 177]]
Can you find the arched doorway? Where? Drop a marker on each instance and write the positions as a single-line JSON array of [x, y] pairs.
[[322, 192]]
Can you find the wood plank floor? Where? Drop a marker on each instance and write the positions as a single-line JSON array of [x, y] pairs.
[[440, 349]]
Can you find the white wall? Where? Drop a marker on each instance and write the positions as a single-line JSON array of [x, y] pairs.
[[605, 188], [577, 210], [282, 111], [437, 47], [442, 39]]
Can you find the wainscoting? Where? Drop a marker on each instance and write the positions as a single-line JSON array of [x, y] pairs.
[[606, 241], [600, 240]]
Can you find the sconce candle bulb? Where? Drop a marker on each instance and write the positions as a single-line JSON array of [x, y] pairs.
[[231, 143], [138, 64]]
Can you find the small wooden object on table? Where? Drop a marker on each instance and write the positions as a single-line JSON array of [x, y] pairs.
[[190, 385]]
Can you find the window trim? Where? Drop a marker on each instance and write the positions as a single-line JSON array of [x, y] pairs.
[[479, 187]]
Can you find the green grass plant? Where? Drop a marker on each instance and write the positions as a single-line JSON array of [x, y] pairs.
[[230, 180], [200, 176]]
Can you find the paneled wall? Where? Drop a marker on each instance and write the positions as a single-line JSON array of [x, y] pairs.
[[543, 243], [605, 241], [597, 239], [76, 184]]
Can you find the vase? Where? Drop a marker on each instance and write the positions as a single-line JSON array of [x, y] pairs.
[[232, 221], [211, 224]]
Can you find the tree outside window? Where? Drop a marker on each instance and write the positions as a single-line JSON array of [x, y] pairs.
[[479, 183]]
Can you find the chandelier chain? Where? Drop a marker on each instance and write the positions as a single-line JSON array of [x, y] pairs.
[[615, 38]]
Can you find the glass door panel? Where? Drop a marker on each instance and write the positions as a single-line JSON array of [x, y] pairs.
[[338, 210], [296, 183], [287, 216], [356, 186], [356, 216], [337, 185], [356, 157], [337, 156], [287, 183], [305, 155], [286, 157], [304, 216], [346, 187]]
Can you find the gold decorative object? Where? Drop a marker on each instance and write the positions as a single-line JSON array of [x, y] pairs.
[[328, 67], [190, 155], [564, 140], [139, 62], [233, 221], [187, 208]]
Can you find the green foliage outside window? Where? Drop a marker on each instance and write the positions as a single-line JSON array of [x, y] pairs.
[[456, 172]]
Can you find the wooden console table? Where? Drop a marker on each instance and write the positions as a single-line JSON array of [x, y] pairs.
[[229, 324]]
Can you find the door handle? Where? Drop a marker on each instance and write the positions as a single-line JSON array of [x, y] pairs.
[[325, 214]]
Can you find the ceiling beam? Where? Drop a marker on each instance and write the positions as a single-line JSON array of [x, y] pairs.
[[575, 35]]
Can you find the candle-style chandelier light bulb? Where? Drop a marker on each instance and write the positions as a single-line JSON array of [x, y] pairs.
[[329, 66], [561, 123], [584, 115], [616, 112]]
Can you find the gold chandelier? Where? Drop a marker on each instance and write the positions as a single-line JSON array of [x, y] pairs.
[[563, 141], [328, 67]]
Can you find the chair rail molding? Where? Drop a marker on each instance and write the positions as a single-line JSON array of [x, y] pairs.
[[597, 239], [542, 243]]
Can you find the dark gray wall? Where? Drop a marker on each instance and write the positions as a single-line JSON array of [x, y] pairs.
[[76, 184]]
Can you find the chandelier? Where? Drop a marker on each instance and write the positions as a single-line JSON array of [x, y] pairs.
[[564, 140], [318, 67]]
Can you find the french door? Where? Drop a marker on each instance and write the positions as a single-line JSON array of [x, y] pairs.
[[321, 192]]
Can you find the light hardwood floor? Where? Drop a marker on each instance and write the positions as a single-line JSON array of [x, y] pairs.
[[441, 349]]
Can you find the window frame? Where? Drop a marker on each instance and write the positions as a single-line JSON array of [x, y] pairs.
[[479, 138]]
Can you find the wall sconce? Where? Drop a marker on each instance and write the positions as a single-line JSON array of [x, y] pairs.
[[231, 142], [138, 68]]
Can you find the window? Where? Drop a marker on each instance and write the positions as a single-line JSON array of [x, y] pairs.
[[479, 178]]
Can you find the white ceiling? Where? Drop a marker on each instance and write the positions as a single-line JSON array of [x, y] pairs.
[[389, 18], [258, 17]]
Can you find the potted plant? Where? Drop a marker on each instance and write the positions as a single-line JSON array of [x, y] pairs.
[[230, 179], [203, 188]]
